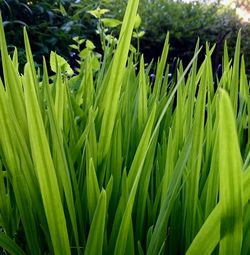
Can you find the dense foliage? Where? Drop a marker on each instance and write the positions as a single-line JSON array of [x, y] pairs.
[[186, 22], [111, 162], [53, 24]]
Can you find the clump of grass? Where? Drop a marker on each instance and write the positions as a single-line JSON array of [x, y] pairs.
[[105, 162]]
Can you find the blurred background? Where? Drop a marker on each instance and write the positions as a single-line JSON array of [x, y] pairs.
[[52, 25]]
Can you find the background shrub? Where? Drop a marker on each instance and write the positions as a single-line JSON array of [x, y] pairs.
[[186, 22], [53, 24], [50, 24]]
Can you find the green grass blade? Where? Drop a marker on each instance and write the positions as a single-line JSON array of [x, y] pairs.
[[12, 83], [196, 159], [115, 81], [246, 245], [142, 193], [94, 244], [246, 185], [45, 169], [5, 205], [29, 57], [160, 229], [160, 68], [24, 205], [93, 191], [230, 164], [59, 98], [10, 246], [142, 98], [234, 87], [55, 117], [133, 180], [141, 149], [209, 235]]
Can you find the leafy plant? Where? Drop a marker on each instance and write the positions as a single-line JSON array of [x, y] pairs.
[[186, 22], [109, 162], [51, 25]]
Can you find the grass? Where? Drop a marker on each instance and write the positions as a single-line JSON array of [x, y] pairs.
[[110, 162]]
